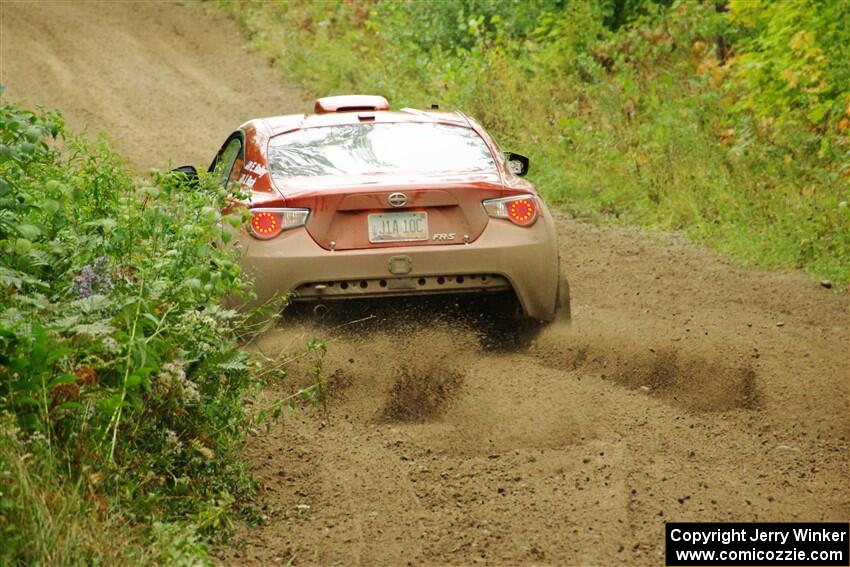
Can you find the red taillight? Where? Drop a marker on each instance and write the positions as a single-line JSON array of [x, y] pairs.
[[268, 223], [522, 211], [265, 224]]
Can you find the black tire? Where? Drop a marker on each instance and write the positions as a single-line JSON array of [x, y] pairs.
[[508, 329], [503, 326]]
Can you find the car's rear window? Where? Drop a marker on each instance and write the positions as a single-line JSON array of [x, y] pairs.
[[360, 149]]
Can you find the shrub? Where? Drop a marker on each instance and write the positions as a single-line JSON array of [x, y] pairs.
[[120, 376]]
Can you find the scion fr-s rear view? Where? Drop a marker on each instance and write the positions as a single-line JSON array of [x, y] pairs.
[[359, 201]]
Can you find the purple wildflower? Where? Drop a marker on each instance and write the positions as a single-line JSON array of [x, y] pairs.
[[93, 278]]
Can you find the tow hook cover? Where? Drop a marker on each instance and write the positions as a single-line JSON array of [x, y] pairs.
[[400, 265]]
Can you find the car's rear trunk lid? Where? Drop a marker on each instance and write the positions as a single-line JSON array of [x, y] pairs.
[[381, 211]]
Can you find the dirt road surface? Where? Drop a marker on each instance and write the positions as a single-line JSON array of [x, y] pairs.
[[686, 389], [166, 82]]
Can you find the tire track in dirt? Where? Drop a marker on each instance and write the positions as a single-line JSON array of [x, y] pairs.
[[559, 455], [686, 389]]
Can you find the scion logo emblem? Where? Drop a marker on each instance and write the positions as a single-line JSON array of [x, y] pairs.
[[397, 199]]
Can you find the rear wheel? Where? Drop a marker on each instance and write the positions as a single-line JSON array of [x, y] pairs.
[[503, 326], [500, 322], [511, 329]]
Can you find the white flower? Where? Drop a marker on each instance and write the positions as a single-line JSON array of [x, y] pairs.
[[172, 381], [190, 391], [172, 440], [10, 429]]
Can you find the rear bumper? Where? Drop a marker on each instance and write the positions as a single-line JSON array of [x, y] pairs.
[[504, 256]]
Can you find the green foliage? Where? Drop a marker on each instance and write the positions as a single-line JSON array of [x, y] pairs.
[[793, 60], [669, 115], [120, 374]]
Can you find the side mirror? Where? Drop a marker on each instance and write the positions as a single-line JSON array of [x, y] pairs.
[[189, 173], [518, 164]]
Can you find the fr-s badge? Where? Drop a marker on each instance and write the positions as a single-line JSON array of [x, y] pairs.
[[444, 236]]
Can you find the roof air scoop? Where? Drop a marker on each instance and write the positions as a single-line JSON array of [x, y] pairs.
[[351, 103]]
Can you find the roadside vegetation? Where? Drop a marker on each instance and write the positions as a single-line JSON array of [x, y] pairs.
[[729, 121], [121, 379]]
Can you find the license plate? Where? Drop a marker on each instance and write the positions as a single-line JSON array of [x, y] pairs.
[[398, 227]]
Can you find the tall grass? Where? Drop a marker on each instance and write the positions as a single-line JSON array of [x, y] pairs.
[[48, 519]]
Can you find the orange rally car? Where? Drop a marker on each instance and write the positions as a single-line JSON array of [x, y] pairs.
[[358, 201]]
